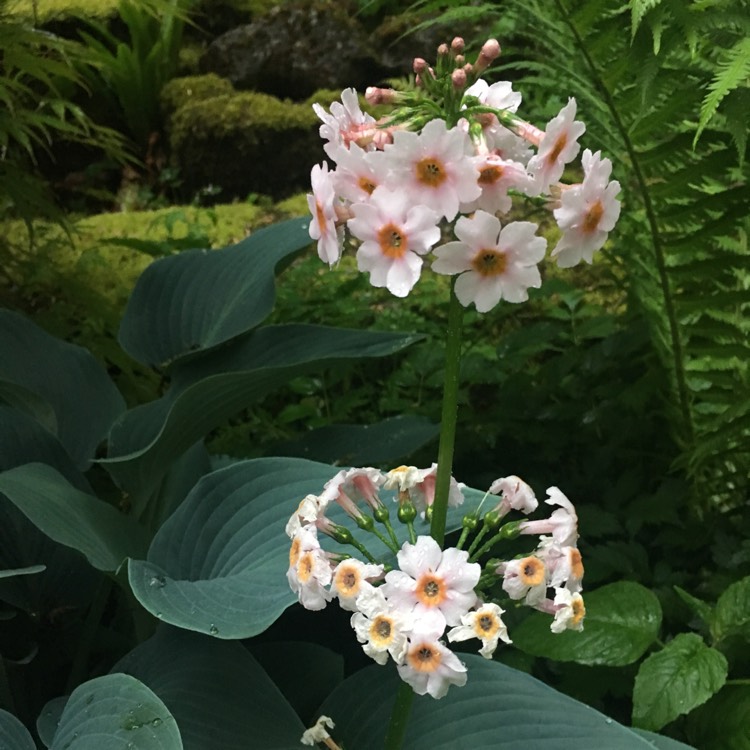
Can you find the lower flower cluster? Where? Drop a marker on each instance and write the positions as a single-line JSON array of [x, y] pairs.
[[405, 614]]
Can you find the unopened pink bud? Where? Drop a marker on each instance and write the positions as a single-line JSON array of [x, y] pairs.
[[491, 49], [443, 50], [419, 65], [457, 45], [458, 78], [374, 95], [460, 60]]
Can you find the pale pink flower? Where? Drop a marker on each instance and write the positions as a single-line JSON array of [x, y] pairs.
[[394, 233], [311, 510], [360, 483], [433, 167], [432, 580], [516, 495], [564, 565], [429, 667], [309, 570], [351, 578], [559, 146], [587, 212], [525, 579], [569, 611], [381, 627], [562, 524], [419, 484], [484, 623], [322, 204], [358, 173], [344, 121], [496, 177], [499, 95], [499, 264]]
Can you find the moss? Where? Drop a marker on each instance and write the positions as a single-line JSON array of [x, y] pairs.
[[179, 92], [47, 10]]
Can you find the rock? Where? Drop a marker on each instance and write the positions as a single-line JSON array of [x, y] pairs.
[[294, 50]]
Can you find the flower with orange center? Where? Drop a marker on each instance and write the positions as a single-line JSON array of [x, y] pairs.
[[564, 564], [322, 205], [484, 623], [429, 667], [309, 569], [358, 173], [587, 212], [495, 262], [569, 611], [394, 233], [344, 119], [350, 579], [434, 583], [526, 577], [434, 167], [381, 626], [558, 146]]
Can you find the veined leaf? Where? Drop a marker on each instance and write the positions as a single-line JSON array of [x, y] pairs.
[[13, 734]]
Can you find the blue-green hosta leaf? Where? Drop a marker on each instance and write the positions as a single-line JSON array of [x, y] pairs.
[[622, 621], [49, 719], [673, 681], [30, 570], [73, 518], [116, 711], [499, 708], [217, 692], [218, 564], [206, 391], [198, 299], [13, 734], [57, 379], [660, 742]]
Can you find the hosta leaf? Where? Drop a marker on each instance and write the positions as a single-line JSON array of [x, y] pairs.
[[53, 377], [113, 711], [217, 692], [660, 742], [499, 708], [206, 391], [13, 734], [622, 621], [724, 722], [673, 681], [30, 570], [218, 564], [198, 299], [71, 517]]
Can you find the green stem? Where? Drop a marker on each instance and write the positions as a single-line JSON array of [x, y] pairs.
[[391, 533], [462, 539], [737, 682], [478, 538], [399, 717], [412, 533], [449, 417], [509, 531], [392, 545], [362, 549]]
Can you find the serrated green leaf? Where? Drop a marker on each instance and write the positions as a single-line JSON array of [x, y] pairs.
[[724, 722], [64, 377], [198, 299], [733, 611], [622, 621], [13, 734], [703, 609], [73, 518], [207, 390], [217, 692], [112, 711], [673, 681], [498, 708]]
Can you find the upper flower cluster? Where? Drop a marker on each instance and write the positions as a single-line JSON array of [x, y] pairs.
[[405, 613], [440, 175]]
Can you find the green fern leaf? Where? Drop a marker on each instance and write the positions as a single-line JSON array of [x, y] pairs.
[[639, 8]]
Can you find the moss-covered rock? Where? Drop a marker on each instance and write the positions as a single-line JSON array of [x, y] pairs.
[[245, 142], [181, 91]]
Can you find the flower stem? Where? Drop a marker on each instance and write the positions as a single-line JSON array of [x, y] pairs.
[[399, 717], [478, 538], [449, 417]]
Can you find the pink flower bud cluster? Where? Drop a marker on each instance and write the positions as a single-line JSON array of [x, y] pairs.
[[406, 614], [412, 188]]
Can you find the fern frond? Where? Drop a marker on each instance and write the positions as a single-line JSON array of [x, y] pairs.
[[639, 8]]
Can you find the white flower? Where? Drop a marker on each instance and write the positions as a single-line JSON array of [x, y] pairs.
[[562, 524], [360, 483], [318, 733], [569, 611], [434, 167], [345, 119], [381, 626], [402, 478], [394, 233], [322, 207], [526, 577], [308, 512], [564, 564], [419, 485], [587, 212], [516, 495], [309, 569], [351, 579], [499, 264], [358, 173], [559, 146], [499, 95], [430, 667], [484, 623], [432, 580], [496, 176]]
